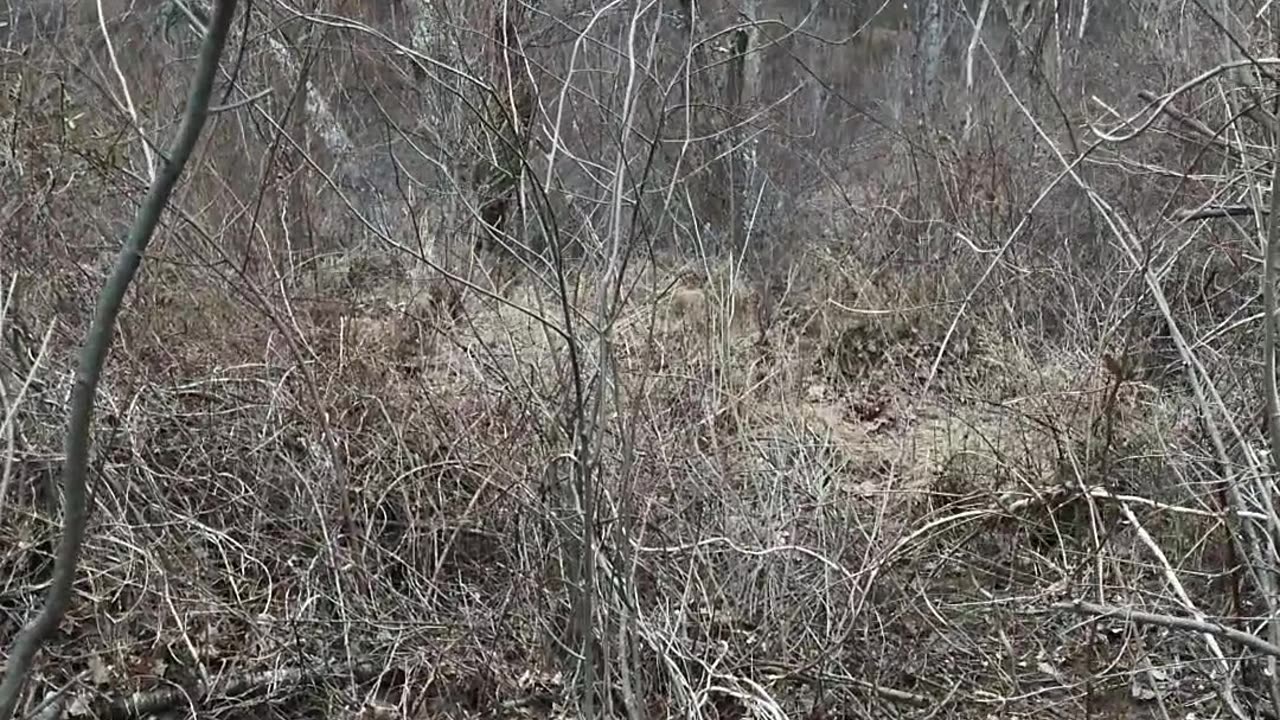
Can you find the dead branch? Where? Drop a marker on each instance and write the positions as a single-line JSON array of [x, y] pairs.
[[1188, 122], [1253, 642], [141, 704], [1223, 211]]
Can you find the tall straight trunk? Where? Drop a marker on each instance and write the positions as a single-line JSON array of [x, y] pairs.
[[712, 191], [428, 37], [930, 41], [509, 117], [744, 92]]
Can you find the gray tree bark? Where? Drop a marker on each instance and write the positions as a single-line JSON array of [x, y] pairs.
[[93, 356], [744, 92], [932, 31]]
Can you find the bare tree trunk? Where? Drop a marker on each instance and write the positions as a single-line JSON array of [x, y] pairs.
[[93, 356], [930, 40], [332, 133], [297, 209], [505, 127], [712, 193], [314, 124], [424, 37], [1015, 49], [744, 89], [974, 39], [427, 37]]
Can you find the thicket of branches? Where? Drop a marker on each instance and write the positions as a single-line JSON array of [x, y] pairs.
[[722, 359]]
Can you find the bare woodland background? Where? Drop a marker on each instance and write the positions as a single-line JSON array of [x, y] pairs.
[[731, 359]]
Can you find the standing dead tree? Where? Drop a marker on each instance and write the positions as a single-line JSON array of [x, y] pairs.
[[930, 45], [505, 124], [744, 84], [704, 150], [93, 355]]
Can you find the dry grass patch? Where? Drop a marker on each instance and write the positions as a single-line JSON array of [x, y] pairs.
[[781, 513]]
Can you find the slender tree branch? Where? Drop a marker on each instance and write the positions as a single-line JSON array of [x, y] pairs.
[[1269, 271], [93, 354], [1189, 122], [1252, 642], [1223, 211]]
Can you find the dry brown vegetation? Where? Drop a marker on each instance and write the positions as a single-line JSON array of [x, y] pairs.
[[922, 447]]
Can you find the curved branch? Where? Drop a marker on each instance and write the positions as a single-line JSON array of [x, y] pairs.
[[93, 354]]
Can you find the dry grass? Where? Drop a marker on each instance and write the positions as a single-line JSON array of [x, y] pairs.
[[341, 498]]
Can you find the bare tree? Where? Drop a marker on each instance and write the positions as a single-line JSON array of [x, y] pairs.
[[930, 39], [508, 115], [93, 355], [744, 93]]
